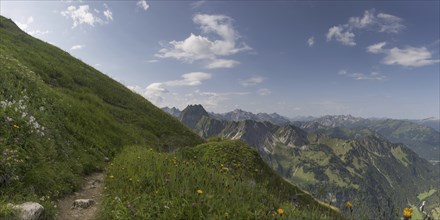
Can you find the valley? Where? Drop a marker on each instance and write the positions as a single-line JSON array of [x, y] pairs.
[[335, 162]]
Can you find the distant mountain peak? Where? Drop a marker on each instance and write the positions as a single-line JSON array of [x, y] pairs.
[[172, 111], [192, 114]]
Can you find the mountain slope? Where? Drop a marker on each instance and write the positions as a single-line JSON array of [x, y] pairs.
[[215, 180], [240, 115], [59, 119], [367, 169], [423, 140]]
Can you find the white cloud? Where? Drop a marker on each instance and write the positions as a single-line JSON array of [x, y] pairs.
[[84, 15], [376, 48], [198, 47], [380, 22], [252, 81], [407, 57], [264, 91], [38, 32], [373, 76], [107, 13], [339, 34], [197, 4], [365, 21], [77, 47], [25, 26], [190, 79], [156, 91], [152, 61], [221, 63], [209, 99], [143, 4], [311, 41], [389, 23]]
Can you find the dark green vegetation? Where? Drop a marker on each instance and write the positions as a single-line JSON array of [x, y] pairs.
[[60, 119], [340, 164], [215, 180]]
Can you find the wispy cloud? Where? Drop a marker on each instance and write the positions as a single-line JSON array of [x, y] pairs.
[[77, 47], [80, 15], [264, 91], [201, 48], [211, 99], [152, 61], [372, 21], [252, 81], [407, 57], [339, 33], [155, 91], [190, 79], [311, 41], [143, 5], [222, 63], [373, 76], [197, 4], [108, 13], [84, 15]]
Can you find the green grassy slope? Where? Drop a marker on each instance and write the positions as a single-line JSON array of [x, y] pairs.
[[59, 118], [234, 181]]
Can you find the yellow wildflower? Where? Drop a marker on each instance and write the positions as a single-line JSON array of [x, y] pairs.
[[16, 126], [111, 177], [280, 211], [199, 191], [407, 212], [348, 204]]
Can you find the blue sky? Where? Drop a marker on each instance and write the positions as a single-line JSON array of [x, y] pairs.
[[368, 59]]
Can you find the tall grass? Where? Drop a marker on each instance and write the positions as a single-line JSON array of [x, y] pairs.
[[192, 183]]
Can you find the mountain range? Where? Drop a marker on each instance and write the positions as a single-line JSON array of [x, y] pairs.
[[420, 136], [336, 158], [62, 120]]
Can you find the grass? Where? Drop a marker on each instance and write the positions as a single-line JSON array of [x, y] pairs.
[[59, 119], [422, 196], [400, 155], [234, 183]]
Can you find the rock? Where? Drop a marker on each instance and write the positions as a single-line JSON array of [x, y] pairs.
[[27, 210], [83, 203]]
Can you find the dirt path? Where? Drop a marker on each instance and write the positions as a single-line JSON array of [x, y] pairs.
[[92, 189]]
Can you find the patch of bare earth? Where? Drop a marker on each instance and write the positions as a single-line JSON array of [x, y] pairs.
[[92, 191]]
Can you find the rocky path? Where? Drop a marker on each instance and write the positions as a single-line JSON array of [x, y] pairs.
[[84, 204]]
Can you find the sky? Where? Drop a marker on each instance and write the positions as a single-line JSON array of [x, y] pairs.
[[302, 58]]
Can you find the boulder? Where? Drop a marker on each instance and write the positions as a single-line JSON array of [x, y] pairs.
[[27, 210], [83, 203]]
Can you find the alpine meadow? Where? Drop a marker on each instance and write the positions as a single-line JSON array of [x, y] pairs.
[[219, 110]]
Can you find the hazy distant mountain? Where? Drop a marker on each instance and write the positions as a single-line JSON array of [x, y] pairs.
[[172, 111], [423, 140], [429, 122], [420, 136], [240, 115], [359, 166]]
